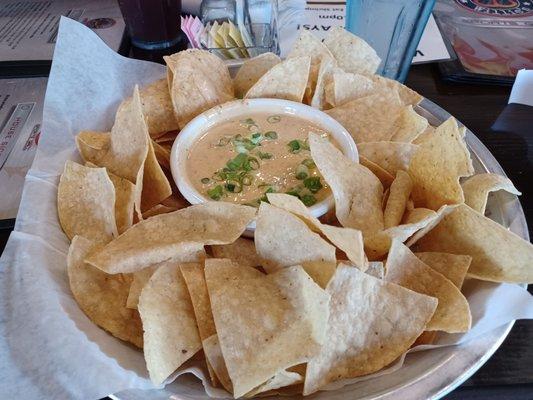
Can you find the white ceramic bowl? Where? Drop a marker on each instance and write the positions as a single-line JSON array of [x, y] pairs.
[[196, 128]]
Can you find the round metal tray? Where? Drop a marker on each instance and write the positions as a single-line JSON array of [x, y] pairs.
[[426, 374]]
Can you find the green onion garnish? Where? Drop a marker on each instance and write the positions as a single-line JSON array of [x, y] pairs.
[[247, 180], [233, 186], [223, 141], [294, 146], [205, 181], [308, 199], [273, 119], [309, 163], [293, 192], [313, 184], [271, 135], [248, 121], [253, 163], [215, 193], [264, 156], [302, 172]]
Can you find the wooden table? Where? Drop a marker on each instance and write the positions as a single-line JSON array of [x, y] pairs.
[[509, 373]]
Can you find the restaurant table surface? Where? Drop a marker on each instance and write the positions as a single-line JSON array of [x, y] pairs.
[[507, 131]]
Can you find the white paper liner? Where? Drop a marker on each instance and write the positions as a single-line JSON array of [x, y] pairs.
[[48, 347]]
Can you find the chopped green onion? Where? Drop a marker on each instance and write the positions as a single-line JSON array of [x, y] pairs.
[[294, 146], [248, 121], [223, 141], [264, 156], [302, 172], [273, 119], [237, 162], [309, 163], [247, 180], [239, 148], [233, 186], [215, 193], [313, 184], [271, 135], [293, 193], [205, 181], [308, 199], [219, 176], [270, 190], [254, 164]]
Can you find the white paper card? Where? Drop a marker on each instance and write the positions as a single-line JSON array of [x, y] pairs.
[[522, 92]]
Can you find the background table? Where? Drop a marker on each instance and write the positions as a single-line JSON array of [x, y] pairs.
[[508, 133]]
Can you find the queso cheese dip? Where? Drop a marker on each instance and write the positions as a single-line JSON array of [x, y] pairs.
[[241, 160]]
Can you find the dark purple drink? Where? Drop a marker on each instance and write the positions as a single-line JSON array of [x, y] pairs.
[[154, 27]]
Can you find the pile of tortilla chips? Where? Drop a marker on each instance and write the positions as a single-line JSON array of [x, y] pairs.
[[308, 301]]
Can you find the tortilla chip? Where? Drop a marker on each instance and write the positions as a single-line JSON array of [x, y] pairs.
[[280, 380], [157, 108], [409, 125], [283, 240], [141, 277], [351, 52], [102, 297], [158, 209], [213, 355], [399, 193], [194, 276], [376, 269], [411, 230], [385, 177], [124, 202], [168, 236], [92, 145], [357, 191], [156, 187], [251, 70], [242, 251], [365, 118], [498, 254], [350, 241], [327, 66], [344, 87], [167, 138], [428, 133], [477, 188], [452, 266], [360, 340], [203, 81], [129, 146], [86, 203], [405, 269], [129, 141], [286, 80], [391, 156], [265, 323], [308, 44], [408, 96], [162, 154], [437, 166], [170, 332]]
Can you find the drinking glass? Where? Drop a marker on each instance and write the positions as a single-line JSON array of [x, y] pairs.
[[392, 27], [154, 27]]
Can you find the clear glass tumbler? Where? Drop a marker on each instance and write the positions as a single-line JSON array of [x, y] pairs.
[[392, 27]]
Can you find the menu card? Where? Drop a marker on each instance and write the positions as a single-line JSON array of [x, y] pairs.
[[21, 109], [28, 28]]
